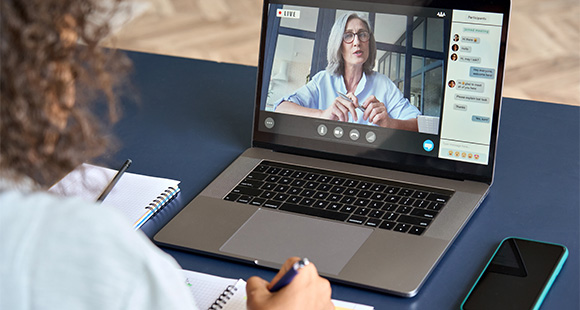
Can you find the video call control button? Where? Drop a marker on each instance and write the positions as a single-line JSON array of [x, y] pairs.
[[322, 130], [371, 137], [354, 135], [269, 123], [338, 132]]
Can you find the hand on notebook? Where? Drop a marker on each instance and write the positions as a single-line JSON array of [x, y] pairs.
[[306, 291]]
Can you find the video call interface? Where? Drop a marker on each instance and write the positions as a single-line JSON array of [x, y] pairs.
[[433, 68]]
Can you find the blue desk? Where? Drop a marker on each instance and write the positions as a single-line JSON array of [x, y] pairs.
[[195, 117]]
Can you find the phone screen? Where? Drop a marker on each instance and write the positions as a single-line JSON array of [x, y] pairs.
[[518, 275]]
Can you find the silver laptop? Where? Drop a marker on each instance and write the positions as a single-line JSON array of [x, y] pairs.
[[374, 140]]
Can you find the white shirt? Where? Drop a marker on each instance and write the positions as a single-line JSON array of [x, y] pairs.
[[321, 92], [66, 253]]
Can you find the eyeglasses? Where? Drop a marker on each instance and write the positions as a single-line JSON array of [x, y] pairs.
[[363, 36]]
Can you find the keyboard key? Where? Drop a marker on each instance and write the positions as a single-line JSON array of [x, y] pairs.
[[378, 187], [437, 206], [420, 194], [389, 216], [347, 209], [376, 214], [416, 230], [251, 183], [438, 198], [402, 227], [324, 179], [406, 192], [244, 199], [348, 200], [232, 197], [390, 207], [280, 197], [417, 221], [307, 201], [421, 204], [424, 213], [357, 219], [373, 222], [247, 191], [387, 225], [333, 206], [314, 212], [392, 190], [298, 183], [320, 204], [393, 199], [350, 183], [404, 209], [338, 181], [361, 202], [311, 176], [364, 185], [376, 204], [351, 192], [272, 204], [257, 201], [362, 211]]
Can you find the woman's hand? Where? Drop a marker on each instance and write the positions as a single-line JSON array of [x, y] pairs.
[[340, 109], [306, 291], [376, 112]]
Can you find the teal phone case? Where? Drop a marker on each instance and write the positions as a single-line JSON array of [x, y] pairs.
[[553, 276]]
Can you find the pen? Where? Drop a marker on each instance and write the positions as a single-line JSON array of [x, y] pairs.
[[289, 275], [350, 100], [114, 181]]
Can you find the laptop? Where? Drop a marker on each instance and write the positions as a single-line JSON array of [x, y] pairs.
[[371, 203]]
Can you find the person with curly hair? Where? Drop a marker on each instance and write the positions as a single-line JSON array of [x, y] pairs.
[[67, 253]]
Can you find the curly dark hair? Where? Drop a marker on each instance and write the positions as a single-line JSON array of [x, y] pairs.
[[45, 128]]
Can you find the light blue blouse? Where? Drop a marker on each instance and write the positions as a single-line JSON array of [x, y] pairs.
[[321, 91]]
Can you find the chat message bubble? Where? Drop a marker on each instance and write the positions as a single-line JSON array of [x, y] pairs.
[[460, 107], [472, 98], [470, 86], [465, 49], [473, 40], [480, 119], [470, 59], [485, 73]]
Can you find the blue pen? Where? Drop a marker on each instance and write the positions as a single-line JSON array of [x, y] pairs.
[[289, 275]]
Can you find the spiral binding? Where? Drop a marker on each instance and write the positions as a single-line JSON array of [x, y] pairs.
[[224, 297], [164, 198]]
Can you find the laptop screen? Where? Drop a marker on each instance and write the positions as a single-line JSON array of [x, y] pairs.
[[417, 87]]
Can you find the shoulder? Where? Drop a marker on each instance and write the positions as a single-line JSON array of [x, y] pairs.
[[79, 248], [324, 76], [379, 78]]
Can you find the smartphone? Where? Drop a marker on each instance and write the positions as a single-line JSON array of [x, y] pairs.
[[518, 276]]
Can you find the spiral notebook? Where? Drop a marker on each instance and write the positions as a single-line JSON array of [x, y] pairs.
[[213, 292], [138, 197]]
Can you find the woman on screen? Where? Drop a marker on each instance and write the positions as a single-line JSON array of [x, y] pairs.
[[349, 89]]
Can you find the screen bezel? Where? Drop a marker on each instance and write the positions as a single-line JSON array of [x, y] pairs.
[[383, 158]]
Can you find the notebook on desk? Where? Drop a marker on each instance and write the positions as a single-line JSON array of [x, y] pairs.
[[372, 206]]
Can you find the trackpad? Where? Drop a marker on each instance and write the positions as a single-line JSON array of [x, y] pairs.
[[275, 236]]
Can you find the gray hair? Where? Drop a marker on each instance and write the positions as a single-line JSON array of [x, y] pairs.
[[334, 51]]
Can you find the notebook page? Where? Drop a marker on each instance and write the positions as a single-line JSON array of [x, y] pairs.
[[130, 195], [207, 288]]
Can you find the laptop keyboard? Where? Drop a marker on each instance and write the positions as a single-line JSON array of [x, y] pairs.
[[339, 196]]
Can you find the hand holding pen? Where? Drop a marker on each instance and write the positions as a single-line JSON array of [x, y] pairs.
[[306, 290]]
